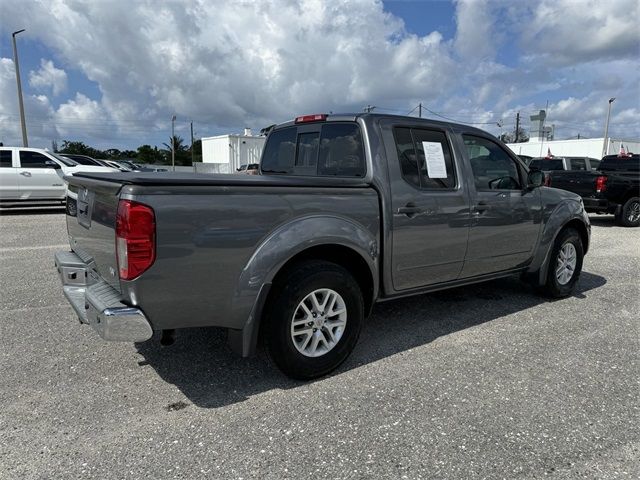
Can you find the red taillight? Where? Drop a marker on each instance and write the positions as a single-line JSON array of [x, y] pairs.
[[318, 117], [601, 184], [135, 238]]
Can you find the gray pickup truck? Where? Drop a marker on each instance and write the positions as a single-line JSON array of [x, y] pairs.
[[348, 210]]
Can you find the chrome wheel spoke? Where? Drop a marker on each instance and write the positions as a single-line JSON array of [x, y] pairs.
[[318, 322], [566, 263]]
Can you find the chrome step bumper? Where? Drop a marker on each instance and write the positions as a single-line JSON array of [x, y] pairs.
[[98, 304]]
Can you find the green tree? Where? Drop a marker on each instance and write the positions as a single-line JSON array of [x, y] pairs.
[[79, 148], [149, 154], [197, 150], [183, 154], [510, 137]]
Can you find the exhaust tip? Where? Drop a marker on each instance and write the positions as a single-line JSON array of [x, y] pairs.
[[168, 337]]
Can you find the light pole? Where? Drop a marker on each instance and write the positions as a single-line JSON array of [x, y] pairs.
[[606, 128], [25, 142], [173, 143]]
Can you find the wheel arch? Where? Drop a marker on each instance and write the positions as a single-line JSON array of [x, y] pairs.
[[336, 239]]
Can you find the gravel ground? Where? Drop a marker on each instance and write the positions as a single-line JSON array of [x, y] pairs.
[[488, 381]]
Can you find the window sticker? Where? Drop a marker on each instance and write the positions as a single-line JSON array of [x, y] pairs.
[[434, 156]]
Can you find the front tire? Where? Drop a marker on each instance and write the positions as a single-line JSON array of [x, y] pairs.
[[630, 213], [565, 264], [313, 319]]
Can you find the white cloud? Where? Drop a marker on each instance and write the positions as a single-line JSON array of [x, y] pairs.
[[233, 63], [48, 77], [476, 36], [570, 31]]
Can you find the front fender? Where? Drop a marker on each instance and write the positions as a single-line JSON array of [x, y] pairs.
[[554, 220], [282, 245]]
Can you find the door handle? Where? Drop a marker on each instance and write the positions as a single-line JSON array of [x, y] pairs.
[[25, 174], [409, 210], [482, 207]]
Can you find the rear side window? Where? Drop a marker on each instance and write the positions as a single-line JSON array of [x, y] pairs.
[[334, 149], [5, 159], [32, 160], [425, 158], [577, 164], [594, 164]]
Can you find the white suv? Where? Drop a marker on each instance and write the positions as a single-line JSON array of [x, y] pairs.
[[34, 175]]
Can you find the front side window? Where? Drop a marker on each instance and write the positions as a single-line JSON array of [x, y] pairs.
[[33, 160], [5, 159], [425, 158], [493, 168]]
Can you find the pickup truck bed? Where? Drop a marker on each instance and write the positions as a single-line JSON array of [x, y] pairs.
[[614, 188]]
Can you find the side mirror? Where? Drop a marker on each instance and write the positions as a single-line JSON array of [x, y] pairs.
[[535, 179], [52, 164]]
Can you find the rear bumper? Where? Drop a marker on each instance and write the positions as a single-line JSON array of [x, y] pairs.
[[592, 204], [98, 304]]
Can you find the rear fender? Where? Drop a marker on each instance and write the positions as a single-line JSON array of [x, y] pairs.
[[277, 249]]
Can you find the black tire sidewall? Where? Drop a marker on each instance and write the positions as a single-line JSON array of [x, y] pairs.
[[553, 287], [625, 213], [302, 280]]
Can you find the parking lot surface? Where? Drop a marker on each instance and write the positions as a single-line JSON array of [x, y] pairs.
[[486, 381]]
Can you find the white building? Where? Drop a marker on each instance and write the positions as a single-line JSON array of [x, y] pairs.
[[541, 141], [225, 153], [584, 147]]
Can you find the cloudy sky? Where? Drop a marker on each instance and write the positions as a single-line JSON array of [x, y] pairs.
[[112, 73]]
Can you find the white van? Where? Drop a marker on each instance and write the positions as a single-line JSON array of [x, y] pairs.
[[35, 176]]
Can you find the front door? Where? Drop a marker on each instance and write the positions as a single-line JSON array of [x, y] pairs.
[[505, 216], [430, 208], [38, 180]]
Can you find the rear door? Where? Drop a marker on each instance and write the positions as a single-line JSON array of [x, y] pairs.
[[38, 180], [9, 178], [506, 217], [429, 205]]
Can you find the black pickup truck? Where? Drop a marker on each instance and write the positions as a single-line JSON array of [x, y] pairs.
[[611, 185]]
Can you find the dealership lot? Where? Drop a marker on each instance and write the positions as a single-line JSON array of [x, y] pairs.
[[482, 381]]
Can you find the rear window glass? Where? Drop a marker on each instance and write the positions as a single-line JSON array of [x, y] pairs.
[[334, 149], [546, 164], [629, 164]]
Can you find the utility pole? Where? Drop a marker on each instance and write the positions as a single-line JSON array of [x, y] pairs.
[[606, 128], [420, 110], [25, 142], [192, 143], [173, 143], [517, 127]]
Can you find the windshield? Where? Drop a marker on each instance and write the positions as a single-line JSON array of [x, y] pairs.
[[67, 161]]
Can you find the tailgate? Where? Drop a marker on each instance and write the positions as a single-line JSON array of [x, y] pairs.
[[91, 225]]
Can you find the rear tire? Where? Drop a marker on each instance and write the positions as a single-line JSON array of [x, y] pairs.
[[630, 213], [294, 324], [565, 265]]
